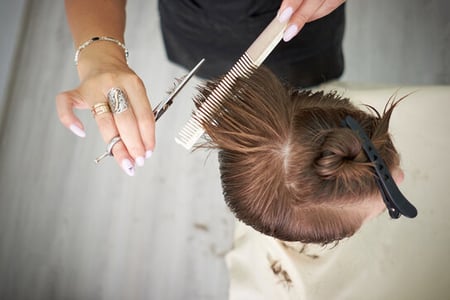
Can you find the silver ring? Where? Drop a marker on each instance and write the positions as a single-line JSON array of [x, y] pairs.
[[111, 144], [109, 148], [117, 100]]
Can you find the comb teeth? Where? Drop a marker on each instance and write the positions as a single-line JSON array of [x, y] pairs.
[[193, 130]]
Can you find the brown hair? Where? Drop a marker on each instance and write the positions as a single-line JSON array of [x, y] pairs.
[[288, 167]]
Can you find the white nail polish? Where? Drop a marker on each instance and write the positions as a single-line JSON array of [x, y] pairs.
[[140, 161], [148, 154], [285, 14], [290, 33], [77, 130], [128, 167]]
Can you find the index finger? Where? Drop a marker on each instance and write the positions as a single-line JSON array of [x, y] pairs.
[[65, 103], [302, 11]]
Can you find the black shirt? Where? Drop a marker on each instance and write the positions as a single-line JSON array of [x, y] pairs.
[[221, 31]]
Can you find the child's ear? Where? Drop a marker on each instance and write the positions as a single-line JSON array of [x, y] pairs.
[[398, 175]]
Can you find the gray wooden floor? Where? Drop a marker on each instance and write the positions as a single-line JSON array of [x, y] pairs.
[[72, 230]]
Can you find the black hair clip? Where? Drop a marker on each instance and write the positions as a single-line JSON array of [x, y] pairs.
[[394, 200]]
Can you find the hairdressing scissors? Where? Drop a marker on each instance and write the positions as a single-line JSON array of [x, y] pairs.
[[158, 111], [162, 106]]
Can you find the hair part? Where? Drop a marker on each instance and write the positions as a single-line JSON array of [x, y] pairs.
[[288, 167]]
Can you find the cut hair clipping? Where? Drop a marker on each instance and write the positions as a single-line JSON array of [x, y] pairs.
[[396, 203]]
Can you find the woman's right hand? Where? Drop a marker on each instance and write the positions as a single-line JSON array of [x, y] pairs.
[[102, 66]]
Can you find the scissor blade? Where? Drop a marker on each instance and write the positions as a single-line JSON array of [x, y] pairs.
[[161, 108], [185, 80]]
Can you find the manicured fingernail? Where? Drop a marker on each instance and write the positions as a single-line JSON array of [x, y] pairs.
[[148, 154], [77, 130], [290, 33], [128, 167], [285, 14], [140, 161]]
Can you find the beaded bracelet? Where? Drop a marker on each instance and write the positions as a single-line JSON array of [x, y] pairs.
[[100, 38]]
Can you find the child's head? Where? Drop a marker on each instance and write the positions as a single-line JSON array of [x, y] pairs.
[[289, 168]]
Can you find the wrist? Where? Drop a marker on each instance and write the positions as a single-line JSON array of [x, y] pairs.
[[100, 56], [100, 39]]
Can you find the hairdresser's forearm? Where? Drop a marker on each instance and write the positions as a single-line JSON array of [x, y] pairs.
[[90, 18]]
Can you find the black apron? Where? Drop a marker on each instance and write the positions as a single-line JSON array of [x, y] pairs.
[[221, 31]]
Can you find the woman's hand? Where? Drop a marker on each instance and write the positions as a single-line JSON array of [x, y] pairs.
[[300, 12], [102, 66]]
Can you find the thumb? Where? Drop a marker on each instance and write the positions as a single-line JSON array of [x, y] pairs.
[[65, 103]]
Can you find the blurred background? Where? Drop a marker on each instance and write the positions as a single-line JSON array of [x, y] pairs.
[[70, 229]]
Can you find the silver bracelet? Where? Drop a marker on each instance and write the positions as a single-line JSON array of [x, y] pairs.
[[100, 38]]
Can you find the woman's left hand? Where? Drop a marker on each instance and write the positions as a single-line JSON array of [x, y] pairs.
[[300, 12]]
